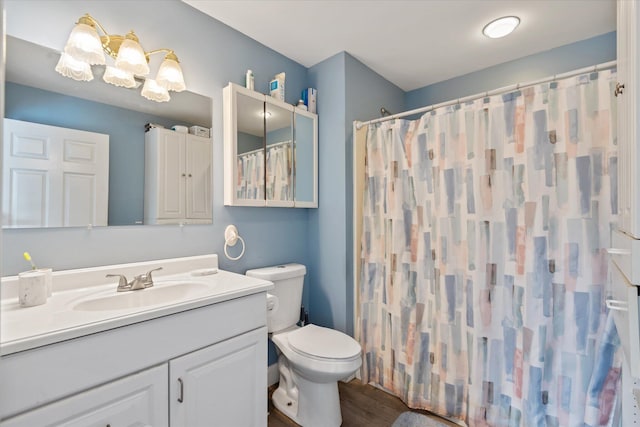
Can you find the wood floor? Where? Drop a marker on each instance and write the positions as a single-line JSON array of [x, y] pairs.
[[361, 404]]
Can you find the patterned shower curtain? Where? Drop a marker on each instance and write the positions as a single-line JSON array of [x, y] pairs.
[[484, 267], [250, 182]]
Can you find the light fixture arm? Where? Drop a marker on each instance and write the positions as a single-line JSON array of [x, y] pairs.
[[93, 22], [170, 54]]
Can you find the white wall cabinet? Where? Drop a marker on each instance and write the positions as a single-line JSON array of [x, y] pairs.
[[220, 383], [270, 151], [177, 181], [623, 295], [628, 97]]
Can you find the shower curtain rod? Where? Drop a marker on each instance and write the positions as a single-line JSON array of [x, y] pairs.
[[504, 89]]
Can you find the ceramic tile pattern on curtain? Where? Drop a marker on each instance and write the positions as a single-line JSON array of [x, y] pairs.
[[483, 257]]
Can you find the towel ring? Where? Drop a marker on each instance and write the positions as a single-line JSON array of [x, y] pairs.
[[231, 237]]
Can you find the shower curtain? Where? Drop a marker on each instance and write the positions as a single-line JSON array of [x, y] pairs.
[[251, 184], [483, 264]]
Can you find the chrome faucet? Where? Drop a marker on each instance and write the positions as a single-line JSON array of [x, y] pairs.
[[141, 281]]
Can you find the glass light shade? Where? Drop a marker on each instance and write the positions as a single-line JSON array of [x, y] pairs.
[[501, 27], [170, 76], [118, 77], [154, 92], [84, 45], [131, 58], [70, 67]]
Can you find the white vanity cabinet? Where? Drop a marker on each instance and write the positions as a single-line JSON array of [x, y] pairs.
[[177, 184], [205, 366], [136, 400], [270, 151]]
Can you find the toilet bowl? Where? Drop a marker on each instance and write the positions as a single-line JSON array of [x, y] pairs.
[[311, 359], [311, 362]]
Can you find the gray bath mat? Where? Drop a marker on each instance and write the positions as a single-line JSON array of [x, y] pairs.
[[414, 419]]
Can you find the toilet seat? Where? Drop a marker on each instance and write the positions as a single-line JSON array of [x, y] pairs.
[[323, 343]]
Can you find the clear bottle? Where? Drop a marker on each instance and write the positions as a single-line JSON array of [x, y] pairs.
[[249, 80]]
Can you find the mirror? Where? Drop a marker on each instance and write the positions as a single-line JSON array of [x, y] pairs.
[[35, 92], [306, 186], [279, 153], [250, 147]]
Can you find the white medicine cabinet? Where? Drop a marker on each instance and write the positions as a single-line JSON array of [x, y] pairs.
[[270, 151]]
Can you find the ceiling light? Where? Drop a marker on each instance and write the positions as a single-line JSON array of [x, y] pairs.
[[501, 27], [85, 48]]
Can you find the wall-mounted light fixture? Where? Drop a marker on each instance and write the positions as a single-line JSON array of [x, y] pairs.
[[85, 48]]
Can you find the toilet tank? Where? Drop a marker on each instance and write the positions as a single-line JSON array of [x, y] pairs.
[[288, 280]]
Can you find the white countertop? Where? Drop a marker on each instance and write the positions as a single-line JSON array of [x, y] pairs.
[[24, 328]]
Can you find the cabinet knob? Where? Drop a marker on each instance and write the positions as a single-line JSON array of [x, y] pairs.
[[184, 174], [190, 175], [619, 89]]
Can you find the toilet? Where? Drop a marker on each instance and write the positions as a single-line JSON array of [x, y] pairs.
[[311, 359]]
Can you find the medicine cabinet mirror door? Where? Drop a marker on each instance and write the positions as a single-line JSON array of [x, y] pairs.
[[305, 159], [279, 153], [245, 161]]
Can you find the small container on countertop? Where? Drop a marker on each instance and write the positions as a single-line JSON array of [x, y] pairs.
[[32, 288]]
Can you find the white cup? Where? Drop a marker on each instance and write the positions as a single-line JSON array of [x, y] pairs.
[[48, 272], [32, 288]]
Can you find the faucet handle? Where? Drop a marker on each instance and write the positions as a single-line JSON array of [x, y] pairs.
[[123, 285], [149, 279]]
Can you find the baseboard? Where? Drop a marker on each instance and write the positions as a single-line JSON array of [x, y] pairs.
[[273, 376]]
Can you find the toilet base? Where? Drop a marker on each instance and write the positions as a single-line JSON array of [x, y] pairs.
[[308, 403]]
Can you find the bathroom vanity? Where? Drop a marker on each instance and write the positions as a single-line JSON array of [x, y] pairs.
[[191, 350]]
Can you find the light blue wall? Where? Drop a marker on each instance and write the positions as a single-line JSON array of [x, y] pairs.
[[126, 139], [325, 296], [212, 54], [585, 53], [347, 90]]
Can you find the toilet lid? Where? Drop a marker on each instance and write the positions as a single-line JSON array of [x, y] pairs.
[[324, 343]]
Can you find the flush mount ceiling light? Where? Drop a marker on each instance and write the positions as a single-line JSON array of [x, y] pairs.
[[501, 27], [85, 48]]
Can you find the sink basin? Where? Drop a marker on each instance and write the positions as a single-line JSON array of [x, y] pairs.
[[160, 293]]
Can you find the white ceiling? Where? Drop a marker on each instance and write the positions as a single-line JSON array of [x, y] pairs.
[[412, 43]]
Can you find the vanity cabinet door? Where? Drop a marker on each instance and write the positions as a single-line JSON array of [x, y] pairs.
[[221, 385], [137, 400]]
